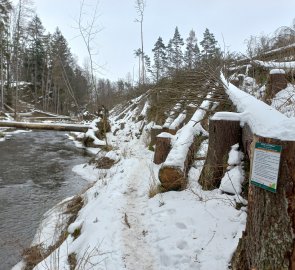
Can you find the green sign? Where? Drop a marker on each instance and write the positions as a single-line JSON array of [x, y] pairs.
[[265, 166]]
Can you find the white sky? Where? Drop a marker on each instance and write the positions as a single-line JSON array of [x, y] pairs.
[[233, 20]]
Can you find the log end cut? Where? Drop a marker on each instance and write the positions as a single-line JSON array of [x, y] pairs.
[[172, 178]]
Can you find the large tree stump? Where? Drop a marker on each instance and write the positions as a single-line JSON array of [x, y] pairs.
[[277, 81], [163, 147], [155, 131], [222, 135], [268, 241], [174, 177]]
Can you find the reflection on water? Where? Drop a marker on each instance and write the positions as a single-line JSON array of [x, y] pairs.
[[35, 174]]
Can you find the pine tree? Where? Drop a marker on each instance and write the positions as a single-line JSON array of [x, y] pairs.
[[35, 55], [210, 50], [192, 53], [177, 55], [160, 59]]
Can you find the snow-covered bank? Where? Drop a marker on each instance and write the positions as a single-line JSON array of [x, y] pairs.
[[120, 227]]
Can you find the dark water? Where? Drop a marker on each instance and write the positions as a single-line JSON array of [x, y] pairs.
[[35, 174]]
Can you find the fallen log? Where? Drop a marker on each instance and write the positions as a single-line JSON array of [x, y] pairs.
[[45, 126]]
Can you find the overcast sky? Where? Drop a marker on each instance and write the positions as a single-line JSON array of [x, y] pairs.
[[230, 20]]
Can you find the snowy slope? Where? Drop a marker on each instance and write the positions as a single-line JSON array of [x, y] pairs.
[[122, 228]]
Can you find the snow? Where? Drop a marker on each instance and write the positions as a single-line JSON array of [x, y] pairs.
[[284, 101], [165, 135], [234, 177], [263, 120], [232, 181], [178, 121], [275, 65], [277, 71], [185, 137], [122, 228], [235, 157]]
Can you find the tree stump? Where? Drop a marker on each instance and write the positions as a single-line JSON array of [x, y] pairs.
[[163, 147], [278, 81], [173, 177], [268, 241], [155, 131], [222, 135]]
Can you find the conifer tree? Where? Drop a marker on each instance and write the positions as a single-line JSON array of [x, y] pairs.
[[192, 52], [177, 55], [160, 59], [210, 50]]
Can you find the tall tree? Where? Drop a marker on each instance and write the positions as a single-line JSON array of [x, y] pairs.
[[138, 53], [23, 13], [160, 59], [177, 55], [192, 52], [35, 56], [140, 7], [5, 9], [210, 50]]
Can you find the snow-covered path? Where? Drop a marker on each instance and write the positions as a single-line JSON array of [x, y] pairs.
[[122, 228], [136, 250]]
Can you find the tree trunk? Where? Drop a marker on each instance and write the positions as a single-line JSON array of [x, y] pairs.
[[58, 127], [154, 133], [163, 147], [222, 135], [268, 242]]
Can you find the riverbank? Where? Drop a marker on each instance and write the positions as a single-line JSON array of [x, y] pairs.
[[36, 174], [120, 225]]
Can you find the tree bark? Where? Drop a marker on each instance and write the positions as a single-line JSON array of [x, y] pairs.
[[163, 147], [57, 127], [173, 177], [222, 135], [154, 133], [268, 241]]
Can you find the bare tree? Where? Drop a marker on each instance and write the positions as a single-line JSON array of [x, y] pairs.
[[140, 7], [88, 31]]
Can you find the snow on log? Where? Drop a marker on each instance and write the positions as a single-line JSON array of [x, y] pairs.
[[45, 126], [174, 170], [262, 119], [275, 65], [163, 147]]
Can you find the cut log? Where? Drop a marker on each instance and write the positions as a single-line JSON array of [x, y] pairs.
[[57, 127], [222, 135], [268, 241], [155, 131], [163, 147], [173, 177]]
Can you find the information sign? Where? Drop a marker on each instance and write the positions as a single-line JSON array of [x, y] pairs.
[[265, 166]]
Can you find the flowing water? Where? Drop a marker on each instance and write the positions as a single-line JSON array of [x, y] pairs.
[[35, 174]]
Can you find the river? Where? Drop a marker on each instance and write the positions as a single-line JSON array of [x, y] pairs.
[[35, 174]]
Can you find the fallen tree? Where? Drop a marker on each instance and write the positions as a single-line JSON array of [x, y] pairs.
[[45, 126]]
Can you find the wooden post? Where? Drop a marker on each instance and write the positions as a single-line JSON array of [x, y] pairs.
[[222, 135], [268, 241], [163, 147]]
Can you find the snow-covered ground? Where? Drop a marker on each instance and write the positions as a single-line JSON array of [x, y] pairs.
[[122, 228]]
